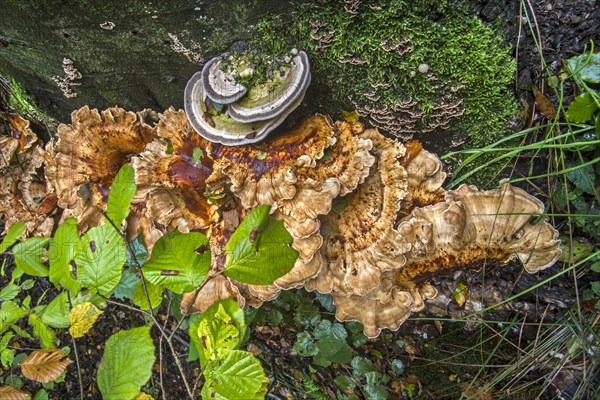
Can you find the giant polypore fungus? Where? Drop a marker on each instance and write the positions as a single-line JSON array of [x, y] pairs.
[[171, 176], [367, 215], [222, 110], [81, 165], [24, 195], [470, 228]]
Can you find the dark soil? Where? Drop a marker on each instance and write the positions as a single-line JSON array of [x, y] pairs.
[[565, 29]]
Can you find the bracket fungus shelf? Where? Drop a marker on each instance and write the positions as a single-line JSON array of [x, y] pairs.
[[368, 215], [223, 110]]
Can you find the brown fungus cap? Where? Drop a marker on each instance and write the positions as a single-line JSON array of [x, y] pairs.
[[171, 175], [91, 150], [24, 195], [360, 239]]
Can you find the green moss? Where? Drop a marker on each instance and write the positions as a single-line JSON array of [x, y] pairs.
[[465, 89]]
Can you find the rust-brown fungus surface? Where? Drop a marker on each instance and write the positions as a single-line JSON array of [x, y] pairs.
[[171, 175], [89, 152]]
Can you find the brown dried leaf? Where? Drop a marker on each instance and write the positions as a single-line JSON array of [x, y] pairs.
[[44, 365], [544, 104], [11, 393]]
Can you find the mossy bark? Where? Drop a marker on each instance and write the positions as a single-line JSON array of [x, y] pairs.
[[129, 53]]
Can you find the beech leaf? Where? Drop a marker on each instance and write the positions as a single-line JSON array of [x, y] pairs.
[[176, 263], [62, 251], [44, 365], [259, 251], [11, 393], [127, 364], [14, 233], [239, 376], [100, 259], [29, 256], [82, 317], [581, 108], [121, 193]]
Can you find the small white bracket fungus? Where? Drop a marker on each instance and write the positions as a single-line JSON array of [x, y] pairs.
[[275, 96], [219, 85]]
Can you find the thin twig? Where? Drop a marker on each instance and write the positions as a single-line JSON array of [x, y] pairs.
[[78, 369]]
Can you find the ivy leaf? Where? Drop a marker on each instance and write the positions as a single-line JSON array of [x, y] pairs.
[[586, 67], [583, 177], [121, 193], [82, 317], [179, 262], [581, 108], [154, 294], [56, 313], [14, 233], [259, 250], [62, 251], [100, 259], [43, 332], [239, 376], [29, 256], [127, 364], [229, 312], [44, 365]]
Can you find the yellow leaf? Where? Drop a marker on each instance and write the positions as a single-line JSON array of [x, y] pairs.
[[44, 365], [460, 293], [11, 393], [82, 318], [143, 396], [350, 116]]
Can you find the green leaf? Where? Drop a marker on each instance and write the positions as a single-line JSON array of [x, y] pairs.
[[127, 285], [43, 332], [305, 345], [207, 327], [7, 356], [197, 155], [582, 176], [218, 335], [41, 395], [10, 313], [586, 67], [345, 382], [239, 376], [100, 259], [9, 292], [332, 345], [62, 251], [581, 108], [14, 233], [179, 262], [397, 366], [259, 250], [127, 364], [154, 293], [121, 193], [140, 252], [56, 313], [29, 256], [595, 266], [360, 366]]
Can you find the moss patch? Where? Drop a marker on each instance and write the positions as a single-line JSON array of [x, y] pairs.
[[409, 68]]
